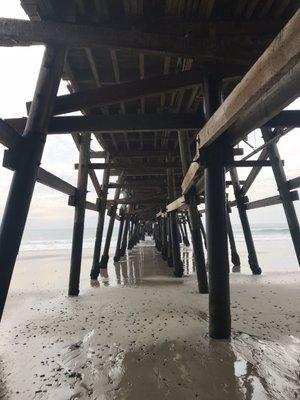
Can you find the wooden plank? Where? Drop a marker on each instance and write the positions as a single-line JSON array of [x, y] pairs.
[[132, 123], [176, 204], [91, 206], [127, 91], [251, 163], [125, 166], [270, 201], [54, 182], [276, 62], [285, 119], [14, 32], [189, 177], [117, 123], [294, 183], [8, 135]]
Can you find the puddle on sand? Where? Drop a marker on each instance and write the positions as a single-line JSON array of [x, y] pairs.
[[246, 368]]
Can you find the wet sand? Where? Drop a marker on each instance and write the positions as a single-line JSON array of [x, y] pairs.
[[142, 334]]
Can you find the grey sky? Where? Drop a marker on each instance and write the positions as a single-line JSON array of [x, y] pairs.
[[18, 73]]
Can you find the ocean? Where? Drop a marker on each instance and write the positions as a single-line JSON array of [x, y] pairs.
[[51, 239], [274, 247]]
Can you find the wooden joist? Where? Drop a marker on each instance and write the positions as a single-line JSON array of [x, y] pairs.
[[117, 123], [176, 204], [270, 201], [132, 166], [54, 182], [8, 135], [285, 119], [294, 183], [14, 32], [127, 91]]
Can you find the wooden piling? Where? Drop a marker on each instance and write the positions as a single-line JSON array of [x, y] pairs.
[[283, 189], [215, 211], [191, 199], [78, 228], [239, 196], [95, 271], [113, 212], [235, 258], [125, 234], [27, 155], [120, 234]]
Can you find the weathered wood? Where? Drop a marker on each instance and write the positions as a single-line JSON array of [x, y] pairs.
[[106, 124], [23, 182], [285, 119], [15, 32], [176, 204], [131, 166], [91, 206], [190, 177], [50, 180], [270, 201], [294, 183], [8, 136], [127, 91], [80, 207], [254, 172], [131, 123], [277, 61]]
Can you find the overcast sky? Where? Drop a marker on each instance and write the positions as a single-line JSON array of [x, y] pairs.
[[18, 73]]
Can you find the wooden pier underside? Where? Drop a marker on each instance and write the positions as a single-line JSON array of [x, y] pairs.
[[168, 89]]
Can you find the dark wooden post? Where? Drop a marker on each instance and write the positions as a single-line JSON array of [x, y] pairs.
[[125, 234], [79, 202], [164, 245], [239, 196], [174, 239], [119, 241], [185, 234], [170, 256], [283, 190], [113, 212], [215, 211], [191, 199], [27, 157], [235, 258], [202, 230], [95, 271]]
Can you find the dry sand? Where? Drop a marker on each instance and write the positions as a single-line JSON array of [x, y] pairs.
[[142, 334]]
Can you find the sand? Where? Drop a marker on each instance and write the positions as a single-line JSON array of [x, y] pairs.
[[142, 334]]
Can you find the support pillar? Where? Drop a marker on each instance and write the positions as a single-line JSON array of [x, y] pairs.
[[118, 246], [27, 155], [235, 258], [164, 245], [174, 239], [191, 199], [78, 228], [95, 271], [186, 238], [239, 196], [125, 235], [283, 190], [215, 211], [113, 212]]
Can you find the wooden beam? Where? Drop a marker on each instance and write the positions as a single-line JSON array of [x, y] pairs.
[[285, 119], [294, 183], [127, 91], [270, 201], [115, 123], [54, 182], [125, 166], [8, 135], [279, 63], [14, 32], [176, 204]]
